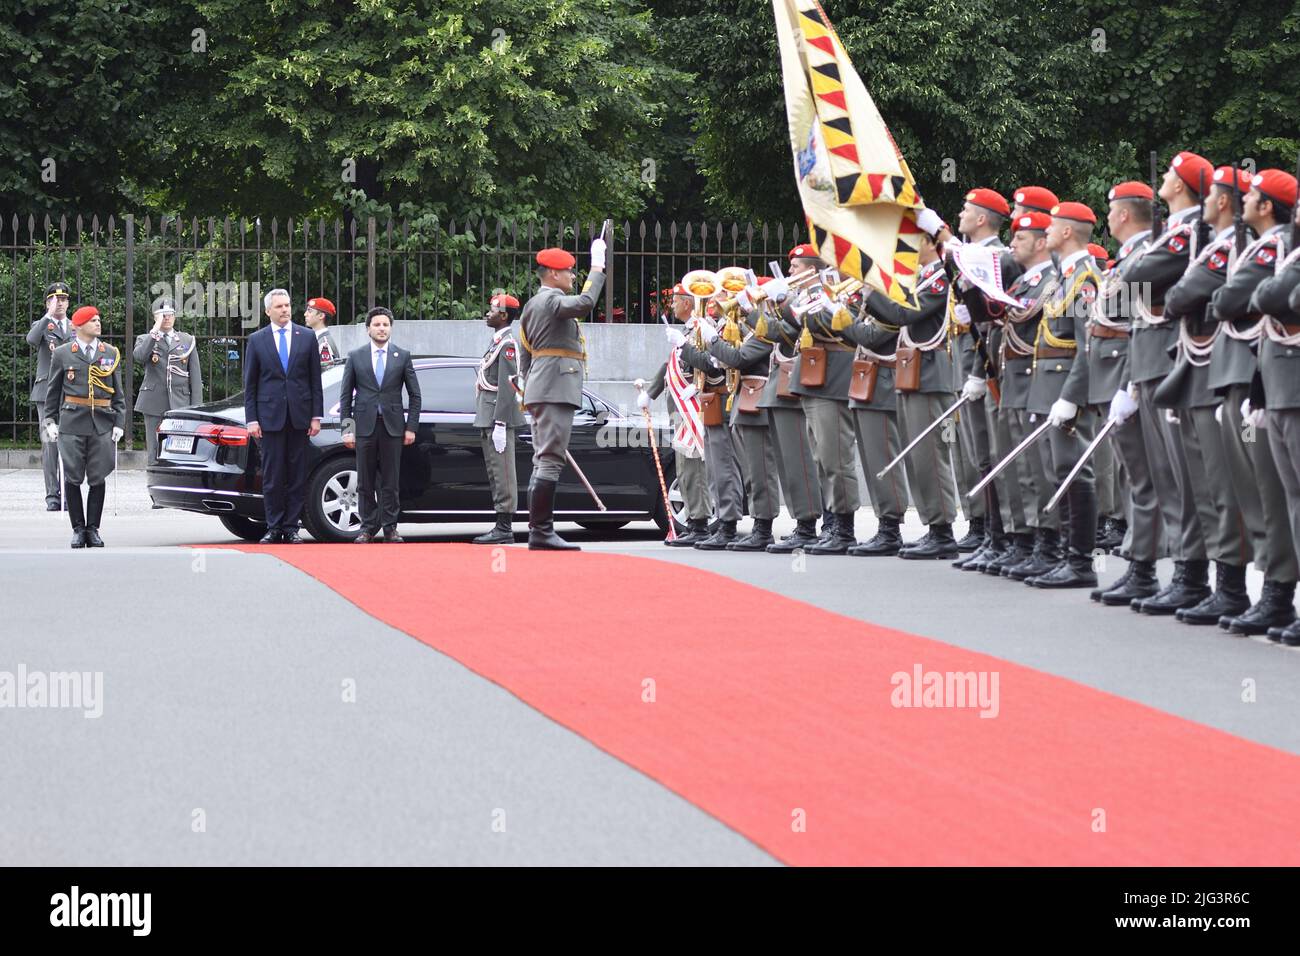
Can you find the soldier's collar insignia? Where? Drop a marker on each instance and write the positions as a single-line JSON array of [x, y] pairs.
[[75, 347]]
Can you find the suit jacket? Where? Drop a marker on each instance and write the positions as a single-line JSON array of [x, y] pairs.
[[45, 336], [550, 321], [173, 377], [277, 399], [70, 366], [380, 399]]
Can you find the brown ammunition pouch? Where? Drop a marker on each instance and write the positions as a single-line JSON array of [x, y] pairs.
[[812, 367], [907, 374], [783, 380], [862, 382], [750, 391], [711, 407]]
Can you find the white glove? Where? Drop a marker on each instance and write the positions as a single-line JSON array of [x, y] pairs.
[[776, 289], [1123, 406], [1062, 412], [117, 434], [1171, 416], [745, 302], [643, 399], [52, 431], [1218, 412], [974, 389], [675, 337], [708, 332], [598, 253], [499, 437], [930, 221], [1252, 416], [714, 362], [962, 313]]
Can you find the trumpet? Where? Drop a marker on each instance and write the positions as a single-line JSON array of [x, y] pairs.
[[844, 289]]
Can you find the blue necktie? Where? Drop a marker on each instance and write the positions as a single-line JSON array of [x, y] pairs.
[[379, 367], [284, 351]]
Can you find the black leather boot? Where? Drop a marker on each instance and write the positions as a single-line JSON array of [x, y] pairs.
[[1188, 592], [1274, 609], [1228, 600], [1020, 546], [1096, 593], [886, 541], [1046, 556], [841, 538], [94, 511], [758, 538], [541, 508], [697, 529], [974, 537], [804, 534], [1138, 583], [920, 542], [76, 513], [1180, 571], [1289, 635], [1074, 572], [942, 546], [990, 547], [500, 533], [719, 540]]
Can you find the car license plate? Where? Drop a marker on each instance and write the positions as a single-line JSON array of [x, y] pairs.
[[180, 443]]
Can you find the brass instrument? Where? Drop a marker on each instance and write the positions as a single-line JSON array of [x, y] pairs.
[[702, 285], [734, 280]]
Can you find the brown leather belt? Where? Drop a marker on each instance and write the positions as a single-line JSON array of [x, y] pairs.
[[1047, 352], [558, 353], [1106, 332], [1291, 329], [835, 346], [1201, 339], [886, 363], [88, 402]]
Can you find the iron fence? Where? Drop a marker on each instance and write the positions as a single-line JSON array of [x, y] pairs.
[[217, 270]]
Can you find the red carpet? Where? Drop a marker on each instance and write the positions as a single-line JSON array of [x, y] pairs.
[[776, 707]]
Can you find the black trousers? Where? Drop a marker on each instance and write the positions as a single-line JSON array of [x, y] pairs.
[[284, 477], [379, 460]]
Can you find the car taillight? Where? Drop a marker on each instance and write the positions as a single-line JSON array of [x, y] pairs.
[[223, 434]]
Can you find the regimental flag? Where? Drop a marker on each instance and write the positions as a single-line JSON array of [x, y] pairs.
[[857, 192]]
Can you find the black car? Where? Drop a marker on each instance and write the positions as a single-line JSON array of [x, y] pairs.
[[207, 463]]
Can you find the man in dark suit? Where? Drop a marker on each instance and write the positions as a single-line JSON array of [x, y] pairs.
[[377, 373], [283, 405]]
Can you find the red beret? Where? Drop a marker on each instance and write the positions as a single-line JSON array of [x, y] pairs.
[[556, 259], [1076, 211], [805, 250], [1223, 177], [504, 301], [1276, 185], [1035, 197], [1032, 220], [989, 199], [1131, 190], [680, 289], [84, 315], [1189, 168], [325, 305], [1098, 251]]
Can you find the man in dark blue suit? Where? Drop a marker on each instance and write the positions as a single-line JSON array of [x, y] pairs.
[[283, 405]]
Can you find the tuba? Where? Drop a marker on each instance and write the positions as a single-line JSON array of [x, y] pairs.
[[702, 285]]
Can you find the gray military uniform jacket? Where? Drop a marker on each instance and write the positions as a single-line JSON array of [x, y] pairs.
[[1188, 302], [785, 339], [1014, 369], [494, 397], [751, 358], [1156, 267], [1065, 316], [329, 350], [549, 322], [839, 360], [1279, 365], [966, 360], [1108, 354], [45, 336], [78, 408], [173, 377], [1233, 361], [921, 325], [986, 318], [879, 341]]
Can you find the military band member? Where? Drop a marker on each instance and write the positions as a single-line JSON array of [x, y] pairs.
[[173, 377], [1278, 299], [745, 352], [826, 408], [46, 334], [497, 415], [553, 363], [1156, 267], [316, 317], [85, 412], [1266, 209]]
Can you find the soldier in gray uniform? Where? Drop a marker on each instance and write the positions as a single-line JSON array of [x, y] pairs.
[[1155, 269], [85, 412], [316, 317], [1250, 464], [553, 363], [747, 363], [826, 409], [1209, 492], [173, 377], [46, 334], [1129, 220], [497, 416], [692, 481], [1278, 299]]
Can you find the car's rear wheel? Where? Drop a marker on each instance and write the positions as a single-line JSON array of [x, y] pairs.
[[245, 528], [612, 525], [333, 511]]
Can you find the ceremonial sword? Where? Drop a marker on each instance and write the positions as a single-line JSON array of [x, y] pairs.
[[1087, 453], [921, 437], [1011, 456]]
